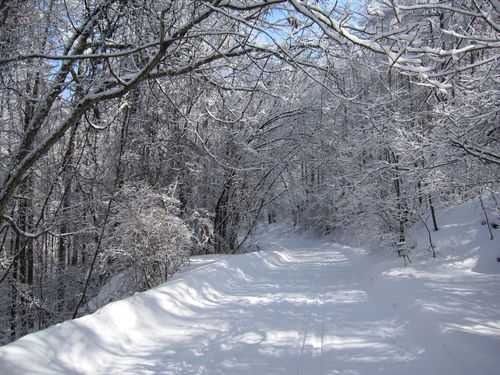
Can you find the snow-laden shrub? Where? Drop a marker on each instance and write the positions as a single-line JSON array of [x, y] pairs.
[[148, 240], [202, 227]]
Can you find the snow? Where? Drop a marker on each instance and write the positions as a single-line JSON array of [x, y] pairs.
[[376, 11], [303, 306]]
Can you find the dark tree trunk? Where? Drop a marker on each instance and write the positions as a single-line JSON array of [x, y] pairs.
[[433, 214]]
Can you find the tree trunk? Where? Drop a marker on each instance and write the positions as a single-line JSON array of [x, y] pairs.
[[433, 214]]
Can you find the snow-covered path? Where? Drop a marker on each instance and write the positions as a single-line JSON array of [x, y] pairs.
[[307, 307]]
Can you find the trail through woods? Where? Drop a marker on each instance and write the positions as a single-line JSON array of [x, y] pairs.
[[134, 136], [304, 306]]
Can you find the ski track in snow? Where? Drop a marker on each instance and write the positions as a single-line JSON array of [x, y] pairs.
[[305, 307]]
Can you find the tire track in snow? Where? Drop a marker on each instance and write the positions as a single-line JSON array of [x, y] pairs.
[[311, 352]]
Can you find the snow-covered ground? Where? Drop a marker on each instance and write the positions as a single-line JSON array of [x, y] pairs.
[[302, 306]]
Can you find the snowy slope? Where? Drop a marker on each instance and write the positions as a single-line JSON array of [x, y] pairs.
[[304, 306]]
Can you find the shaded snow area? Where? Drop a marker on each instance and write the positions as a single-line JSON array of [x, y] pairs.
[[302, 306]]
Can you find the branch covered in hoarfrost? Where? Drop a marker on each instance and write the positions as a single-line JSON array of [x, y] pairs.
[[477, 151]]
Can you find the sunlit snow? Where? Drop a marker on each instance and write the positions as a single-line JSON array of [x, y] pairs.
[[303, 306]]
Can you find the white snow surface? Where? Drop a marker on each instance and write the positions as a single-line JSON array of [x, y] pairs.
[[303, 306]]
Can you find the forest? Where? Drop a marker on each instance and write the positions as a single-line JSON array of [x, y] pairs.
[[136, 133]]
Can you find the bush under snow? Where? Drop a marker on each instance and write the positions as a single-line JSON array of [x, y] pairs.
[[149, 240]]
